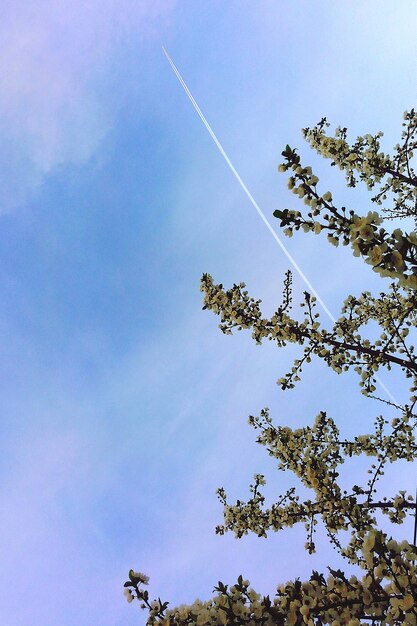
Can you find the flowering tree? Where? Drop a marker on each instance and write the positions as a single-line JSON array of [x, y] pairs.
[[380, 586]]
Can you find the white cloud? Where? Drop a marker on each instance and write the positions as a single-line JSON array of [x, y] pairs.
[[53, 56]]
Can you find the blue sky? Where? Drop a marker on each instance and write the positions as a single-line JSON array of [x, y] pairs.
[[123, 406]]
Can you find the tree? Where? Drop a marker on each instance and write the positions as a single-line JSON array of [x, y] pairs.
[[381, 584]]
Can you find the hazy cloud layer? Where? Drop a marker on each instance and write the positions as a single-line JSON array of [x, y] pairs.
[[53, 55]]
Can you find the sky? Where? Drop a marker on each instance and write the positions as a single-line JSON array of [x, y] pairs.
[[123, 406]]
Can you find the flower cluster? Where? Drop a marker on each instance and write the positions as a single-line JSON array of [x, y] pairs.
[[393, 254], [342, 347], [385, 594], [364, 161], [315, 454]]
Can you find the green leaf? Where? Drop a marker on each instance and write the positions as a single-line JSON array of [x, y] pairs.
[[221, 587], [281, 215], [287, 152]]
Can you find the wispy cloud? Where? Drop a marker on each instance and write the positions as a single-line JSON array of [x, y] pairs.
[[53, 57]]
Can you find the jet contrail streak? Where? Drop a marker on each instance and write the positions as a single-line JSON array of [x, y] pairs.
[[256, 206]]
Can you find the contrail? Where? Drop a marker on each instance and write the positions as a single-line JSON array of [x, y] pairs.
[[245, 189], [255, 204]]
